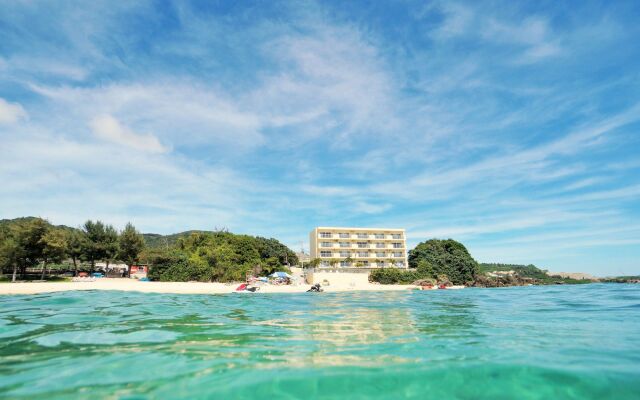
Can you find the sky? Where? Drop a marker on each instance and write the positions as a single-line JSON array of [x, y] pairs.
[[512, 127]]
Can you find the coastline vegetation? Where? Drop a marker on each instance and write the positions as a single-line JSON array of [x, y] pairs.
[[33, 249], [622, 279], [217, 257], [449, 262], [527, 274], [28, 244], [442, 261]]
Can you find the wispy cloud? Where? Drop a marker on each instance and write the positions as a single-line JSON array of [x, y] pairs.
[[512, 129], [10, 113], [108, 128]]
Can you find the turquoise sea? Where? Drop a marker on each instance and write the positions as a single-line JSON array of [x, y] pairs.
[[555, 342]]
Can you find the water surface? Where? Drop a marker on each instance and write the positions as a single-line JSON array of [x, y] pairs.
[[571, 342]]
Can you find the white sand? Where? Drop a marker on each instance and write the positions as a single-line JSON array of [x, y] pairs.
[[337, 284]]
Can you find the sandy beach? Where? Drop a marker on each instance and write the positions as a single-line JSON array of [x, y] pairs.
[[180, 287]]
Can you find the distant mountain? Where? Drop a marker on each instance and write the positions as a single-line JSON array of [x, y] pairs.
[[531, 271], [524, 270], [155, 240], [152, 240], [573, 275], [9, 222]]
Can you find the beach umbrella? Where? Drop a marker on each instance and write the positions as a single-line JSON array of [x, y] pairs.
[[280, 274]]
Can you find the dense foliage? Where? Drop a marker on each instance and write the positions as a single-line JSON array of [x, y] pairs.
[[622, 279], [130, 246], [28, 243], [443, 261], [389, 276], [217, 256], [523, 274], [437, 258], [33, 243], [529, 271]]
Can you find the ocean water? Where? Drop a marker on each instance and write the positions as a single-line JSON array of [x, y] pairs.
[[557, 342]]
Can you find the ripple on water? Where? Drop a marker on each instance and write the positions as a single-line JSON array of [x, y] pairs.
[[534, 342]]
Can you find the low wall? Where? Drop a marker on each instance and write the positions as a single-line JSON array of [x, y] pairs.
[[342, 277]]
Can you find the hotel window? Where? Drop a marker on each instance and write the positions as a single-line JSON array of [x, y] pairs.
[[344, 264], [345, 244], [324, 264], [380, 246], [398, 255], [396, 236], [363, 235], [379, 235], [344, 235], [397, 245], [363, 245], [399, 264], [380, 254], [325, 254], [325, 234], [365, 263], [363, 254], [345, 254], [326, 244]]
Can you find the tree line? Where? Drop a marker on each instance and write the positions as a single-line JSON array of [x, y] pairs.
[[441, 261], [218, 256], [32, 242]]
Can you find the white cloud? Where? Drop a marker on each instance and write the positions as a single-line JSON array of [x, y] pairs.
[[10, 113], [457, 20], [370, 208], [583, 183], [108, 128], [189, 113], [332, 82], [533, 35], [81, 180], [281, 125]]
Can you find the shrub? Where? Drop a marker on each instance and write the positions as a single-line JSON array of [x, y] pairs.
[[388, 276]]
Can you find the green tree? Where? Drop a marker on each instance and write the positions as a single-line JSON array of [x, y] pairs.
[[314, 262], [110, 246], [9, 250], [425, 268], [271, 265], [216, 256], [268, 248], [392, 275], [30, 245], [54, 248], [130, 246], [93, 243], [75, 245], [444, 257]]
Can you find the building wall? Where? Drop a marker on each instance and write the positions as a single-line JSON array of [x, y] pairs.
[[313, 243], [367, 247], [338, 278]]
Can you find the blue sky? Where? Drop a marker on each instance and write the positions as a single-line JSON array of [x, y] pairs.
[[510, 126]]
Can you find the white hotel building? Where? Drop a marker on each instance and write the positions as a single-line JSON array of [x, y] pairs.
[[359, 247]]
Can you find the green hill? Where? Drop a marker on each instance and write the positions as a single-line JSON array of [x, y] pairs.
[[189, 255], [528, 271], [154, 240]]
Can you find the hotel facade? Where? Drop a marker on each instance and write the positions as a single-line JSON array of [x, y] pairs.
[[359, 247]]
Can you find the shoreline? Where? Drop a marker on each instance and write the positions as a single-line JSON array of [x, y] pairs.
[[132, 285]]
